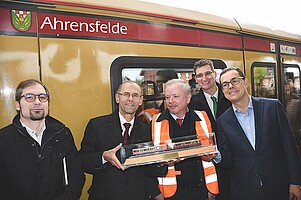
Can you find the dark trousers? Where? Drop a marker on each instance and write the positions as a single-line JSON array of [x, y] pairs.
[[194, 194]]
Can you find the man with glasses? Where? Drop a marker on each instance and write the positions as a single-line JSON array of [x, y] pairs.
[[38, 157], [211, 99], [256, 142], [100, 147]]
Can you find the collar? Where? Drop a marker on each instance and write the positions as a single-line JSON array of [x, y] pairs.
[[165, 114], [123, 120], [250, 106], [214, 95], [29, 130]]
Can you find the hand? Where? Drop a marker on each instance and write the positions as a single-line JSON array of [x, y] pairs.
[[159, 197], [110, 156], [295, 190], [211, 196], [208, 157]]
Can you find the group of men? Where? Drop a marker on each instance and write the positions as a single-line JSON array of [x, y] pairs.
[[257, 157]]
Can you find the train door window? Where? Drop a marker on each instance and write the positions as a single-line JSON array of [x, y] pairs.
[[292, 98], [291, 82], [151, 74], [263, 80]]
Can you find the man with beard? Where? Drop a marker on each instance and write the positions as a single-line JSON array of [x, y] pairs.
[[100, 151], [38, 157]]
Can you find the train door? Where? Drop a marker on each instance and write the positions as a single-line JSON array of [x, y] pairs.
[[151, 74], [292, 97]]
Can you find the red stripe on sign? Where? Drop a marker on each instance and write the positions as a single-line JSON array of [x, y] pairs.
[[56, 24], [163, 33], [209, 38], [257, 44]]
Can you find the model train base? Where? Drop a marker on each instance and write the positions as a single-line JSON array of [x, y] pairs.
[[168, 155]]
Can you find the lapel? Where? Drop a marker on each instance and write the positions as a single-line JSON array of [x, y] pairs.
[[258, 114], [115, 127], [205, 104]]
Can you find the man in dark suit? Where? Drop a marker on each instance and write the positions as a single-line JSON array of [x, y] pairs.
[[255, 140], [100, 151], [205, 77]]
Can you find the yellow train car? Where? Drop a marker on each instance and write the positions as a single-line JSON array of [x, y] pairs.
[[82, 50]]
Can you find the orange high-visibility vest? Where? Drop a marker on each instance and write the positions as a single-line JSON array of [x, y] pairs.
[[160, 134], [149, 113]]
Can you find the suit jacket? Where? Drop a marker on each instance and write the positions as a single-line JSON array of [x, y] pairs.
[[275, 162], [199, 102], [109, 183]]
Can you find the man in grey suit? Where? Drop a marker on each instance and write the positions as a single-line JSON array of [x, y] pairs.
[[256, 142], [100, 151]]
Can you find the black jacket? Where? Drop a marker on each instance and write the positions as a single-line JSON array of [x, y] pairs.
[[110, 183], [198, 102], [31, 172]]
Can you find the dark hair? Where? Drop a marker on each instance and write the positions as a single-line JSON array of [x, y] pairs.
[[27, 83], [241, 74], [201, 63]]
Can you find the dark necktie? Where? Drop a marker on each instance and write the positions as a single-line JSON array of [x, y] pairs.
[[126, 133], [214, 105], [180, 121]]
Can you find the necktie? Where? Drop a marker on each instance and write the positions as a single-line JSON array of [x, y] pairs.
[[126, 133], [180, 121], [214, 105]]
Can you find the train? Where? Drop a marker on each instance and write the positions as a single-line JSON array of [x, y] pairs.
[[83, 50]]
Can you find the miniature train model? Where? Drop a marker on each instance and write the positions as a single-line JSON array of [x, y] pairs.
[[165, 147]]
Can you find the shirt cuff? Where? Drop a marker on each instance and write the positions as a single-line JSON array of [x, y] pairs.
[[218, 158]]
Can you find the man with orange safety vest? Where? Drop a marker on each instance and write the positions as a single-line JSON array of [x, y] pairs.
[[191, 178]]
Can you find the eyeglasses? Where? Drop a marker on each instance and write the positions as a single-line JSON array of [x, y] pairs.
[[127, 95], [206, 74], [29, 97], [234, 81]]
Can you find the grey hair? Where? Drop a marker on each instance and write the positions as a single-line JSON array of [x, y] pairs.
[[185, 86]]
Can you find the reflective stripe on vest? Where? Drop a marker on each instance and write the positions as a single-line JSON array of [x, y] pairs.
[[203, 129], [160, 134]]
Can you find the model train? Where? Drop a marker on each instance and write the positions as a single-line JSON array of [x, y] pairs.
[[167, 147]]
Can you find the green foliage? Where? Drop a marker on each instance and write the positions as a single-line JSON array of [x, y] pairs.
[[259, 74]]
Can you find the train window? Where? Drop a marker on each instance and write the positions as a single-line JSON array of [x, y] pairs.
[[151, 74], [263, 80]]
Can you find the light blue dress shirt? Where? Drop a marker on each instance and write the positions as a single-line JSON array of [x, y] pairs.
[[246, 120]]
